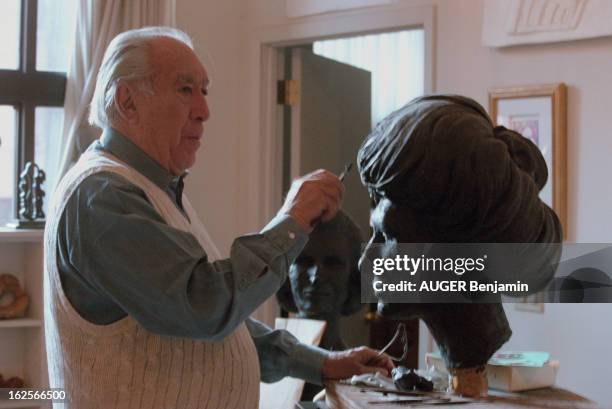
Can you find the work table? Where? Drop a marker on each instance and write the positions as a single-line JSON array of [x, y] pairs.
[[343, 396]]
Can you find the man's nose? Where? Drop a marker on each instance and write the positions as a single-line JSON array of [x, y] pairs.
[[199, 109]]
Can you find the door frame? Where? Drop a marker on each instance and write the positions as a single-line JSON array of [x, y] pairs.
[[261, 149], [263, 146]]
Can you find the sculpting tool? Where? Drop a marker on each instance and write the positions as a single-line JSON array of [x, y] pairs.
[[345, 171], [400, 333]]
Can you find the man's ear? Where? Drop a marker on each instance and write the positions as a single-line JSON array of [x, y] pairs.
[[125, 102]]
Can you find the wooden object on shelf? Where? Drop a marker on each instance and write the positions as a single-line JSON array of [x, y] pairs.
[[13, 299], [12, 382]]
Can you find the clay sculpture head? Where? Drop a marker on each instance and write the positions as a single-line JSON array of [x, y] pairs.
[[324, 281], [439, 171]]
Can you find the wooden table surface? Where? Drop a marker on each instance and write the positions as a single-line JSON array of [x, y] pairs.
[[342, 396]]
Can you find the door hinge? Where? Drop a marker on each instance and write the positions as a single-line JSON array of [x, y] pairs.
[[287, 92]]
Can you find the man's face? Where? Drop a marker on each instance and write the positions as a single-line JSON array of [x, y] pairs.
[[173, 116], [319, 276]]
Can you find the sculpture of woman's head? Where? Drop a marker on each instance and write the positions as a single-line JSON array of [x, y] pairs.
[[439, 171]]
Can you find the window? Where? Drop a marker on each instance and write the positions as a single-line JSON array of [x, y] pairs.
[[37, 38]]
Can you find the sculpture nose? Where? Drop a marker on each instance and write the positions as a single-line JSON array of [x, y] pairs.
[[370, 250], [313, 274]]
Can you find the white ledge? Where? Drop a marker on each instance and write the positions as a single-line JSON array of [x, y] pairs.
[[20, 323], [15, 404], [8, 235]]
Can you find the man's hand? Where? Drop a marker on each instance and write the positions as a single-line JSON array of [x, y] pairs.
[[356, 361], [312, 198]]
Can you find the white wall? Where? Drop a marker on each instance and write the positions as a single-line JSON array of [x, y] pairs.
[[464, 67], [214, 182], [216, 185], [577, 335]]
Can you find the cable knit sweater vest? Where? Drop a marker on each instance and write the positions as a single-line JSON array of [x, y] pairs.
[[122, 365]]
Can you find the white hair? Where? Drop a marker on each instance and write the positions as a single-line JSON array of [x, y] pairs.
[[127, 59]]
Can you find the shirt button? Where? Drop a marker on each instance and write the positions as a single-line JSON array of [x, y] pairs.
[[291, 235]]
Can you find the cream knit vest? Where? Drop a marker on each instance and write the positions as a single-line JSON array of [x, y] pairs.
[[122, 365]]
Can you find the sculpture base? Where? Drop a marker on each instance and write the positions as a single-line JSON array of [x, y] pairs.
[[27, 224]]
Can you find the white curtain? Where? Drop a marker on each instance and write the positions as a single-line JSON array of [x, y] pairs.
[[396, 61], [98, 21]]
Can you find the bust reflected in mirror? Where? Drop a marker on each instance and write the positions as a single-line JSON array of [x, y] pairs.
[[323, 282]]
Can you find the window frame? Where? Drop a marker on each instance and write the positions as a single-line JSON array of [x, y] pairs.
[[25, 89]]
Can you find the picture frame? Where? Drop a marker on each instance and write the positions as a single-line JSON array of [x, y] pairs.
[[538, 112]]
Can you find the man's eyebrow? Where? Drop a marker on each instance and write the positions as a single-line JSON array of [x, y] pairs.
[[189, 79]]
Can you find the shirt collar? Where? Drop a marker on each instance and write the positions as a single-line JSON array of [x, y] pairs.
[[127, 151]]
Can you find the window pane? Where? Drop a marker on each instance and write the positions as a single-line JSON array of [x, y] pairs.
[[55, 34], [47, 134], [8, 130], [10, 18]]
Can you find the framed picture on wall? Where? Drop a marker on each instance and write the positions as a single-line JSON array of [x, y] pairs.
[[538, 112]]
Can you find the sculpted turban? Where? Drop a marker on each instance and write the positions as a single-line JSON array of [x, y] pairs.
[[456, 178]]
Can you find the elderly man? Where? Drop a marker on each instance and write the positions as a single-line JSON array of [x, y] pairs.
[[137, 313]]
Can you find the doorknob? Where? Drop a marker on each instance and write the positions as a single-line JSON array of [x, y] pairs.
[[370, 316]]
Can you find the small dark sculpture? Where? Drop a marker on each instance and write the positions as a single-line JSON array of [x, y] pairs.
[[438, 171], [407, 380], [324, 280], [31, 197], [39, 194], [26, 182]]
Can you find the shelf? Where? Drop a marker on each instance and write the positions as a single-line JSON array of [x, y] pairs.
[[22, 339], [7, 404], [20, 323], [8, 235]]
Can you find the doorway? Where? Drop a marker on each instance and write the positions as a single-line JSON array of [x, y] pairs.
[[340, 89]]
